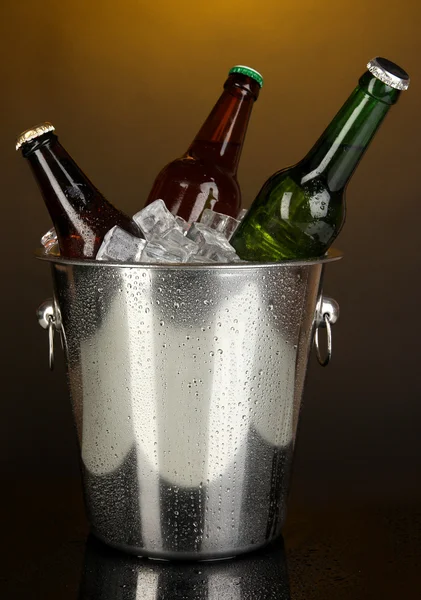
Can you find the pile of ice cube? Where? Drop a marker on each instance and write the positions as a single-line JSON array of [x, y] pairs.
[[170, 239]]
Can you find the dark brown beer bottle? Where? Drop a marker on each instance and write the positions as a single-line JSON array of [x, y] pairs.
[[80, 213], [206, 175]]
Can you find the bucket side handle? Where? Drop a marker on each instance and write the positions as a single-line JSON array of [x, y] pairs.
[[327, 313], [48, 316]]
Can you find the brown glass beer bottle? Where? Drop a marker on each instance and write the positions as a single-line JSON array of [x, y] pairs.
[[206, 175], [80, 213]]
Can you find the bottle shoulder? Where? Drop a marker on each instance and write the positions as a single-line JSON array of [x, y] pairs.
[[188, 168], [297, 179], [284, 180]]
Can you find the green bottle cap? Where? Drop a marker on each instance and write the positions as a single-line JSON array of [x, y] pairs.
[[249, 72]]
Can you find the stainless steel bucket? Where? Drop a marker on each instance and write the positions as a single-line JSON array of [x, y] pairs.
[[186, 384]]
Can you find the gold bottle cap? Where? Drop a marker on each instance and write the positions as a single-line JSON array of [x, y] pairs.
[[34, 132]]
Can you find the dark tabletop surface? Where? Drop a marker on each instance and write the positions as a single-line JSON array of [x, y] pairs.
[[339, 550]]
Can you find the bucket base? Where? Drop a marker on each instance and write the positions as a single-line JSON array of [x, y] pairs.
[[195, 556]]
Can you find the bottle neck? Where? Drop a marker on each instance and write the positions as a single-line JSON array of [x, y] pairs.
[[58, 175], [338, 151], [221, 137]]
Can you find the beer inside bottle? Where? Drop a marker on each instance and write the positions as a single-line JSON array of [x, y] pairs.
[[80, 213], [206, 175], [301, 209]]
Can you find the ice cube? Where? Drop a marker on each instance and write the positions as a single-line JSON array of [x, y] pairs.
[[222, 223], [118, 245], [49, 239], [154, 219], [242, 214], [202, 234], [171, 247], [219, 255], [212, 244], [182, 224], [177, 237], [200, 259], [214, 220]]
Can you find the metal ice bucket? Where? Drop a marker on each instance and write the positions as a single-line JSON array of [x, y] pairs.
[[186, 384]]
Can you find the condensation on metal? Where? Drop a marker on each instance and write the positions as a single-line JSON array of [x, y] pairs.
[[186, 386]]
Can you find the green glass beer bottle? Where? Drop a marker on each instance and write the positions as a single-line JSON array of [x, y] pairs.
[[300, 210]]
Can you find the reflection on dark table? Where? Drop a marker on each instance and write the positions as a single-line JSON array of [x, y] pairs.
[[337, 548], [112, 575]]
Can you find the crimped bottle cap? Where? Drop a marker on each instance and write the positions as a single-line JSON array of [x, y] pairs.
[[34, 132], [247, 71], [389, 73]]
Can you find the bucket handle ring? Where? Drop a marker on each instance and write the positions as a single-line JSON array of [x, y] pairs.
[[327, 314], [324, 361], [49, 318]]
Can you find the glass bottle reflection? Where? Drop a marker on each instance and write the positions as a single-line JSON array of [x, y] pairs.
[[112, 575]]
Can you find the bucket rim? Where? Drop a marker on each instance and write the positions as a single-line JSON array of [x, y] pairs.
[[332, 255]]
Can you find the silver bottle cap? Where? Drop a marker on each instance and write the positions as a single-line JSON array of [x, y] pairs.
[[389, 73], [34, 132]]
